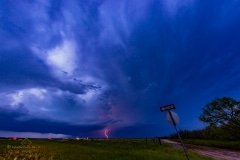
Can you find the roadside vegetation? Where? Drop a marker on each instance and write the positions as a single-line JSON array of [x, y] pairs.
[[232, 145], [223, 131], [122, 149]]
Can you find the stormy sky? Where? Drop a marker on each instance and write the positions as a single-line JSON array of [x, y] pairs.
[[90, 68]]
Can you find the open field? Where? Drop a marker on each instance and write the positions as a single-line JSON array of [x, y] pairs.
[[124, 149]]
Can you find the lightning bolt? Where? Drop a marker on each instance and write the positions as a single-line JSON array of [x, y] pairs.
[[105, 133]]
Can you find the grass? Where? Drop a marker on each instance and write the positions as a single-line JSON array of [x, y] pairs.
[[232, 145], [117, 149]]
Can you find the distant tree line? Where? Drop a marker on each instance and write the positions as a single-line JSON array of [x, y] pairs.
[[223, 118]]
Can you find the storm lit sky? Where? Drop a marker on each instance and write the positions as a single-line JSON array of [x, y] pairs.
[[88, 68]]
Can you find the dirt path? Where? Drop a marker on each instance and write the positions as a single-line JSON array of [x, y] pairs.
[[216, 153]]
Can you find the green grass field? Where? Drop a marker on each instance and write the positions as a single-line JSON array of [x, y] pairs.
[[116, 149]]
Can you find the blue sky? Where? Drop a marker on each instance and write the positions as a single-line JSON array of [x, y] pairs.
[[83, 68]]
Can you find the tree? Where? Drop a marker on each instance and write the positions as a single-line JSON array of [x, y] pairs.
[[221, 111]]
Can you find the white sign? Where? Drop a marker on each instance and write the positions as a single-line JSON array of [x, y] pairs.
[[174, 117]]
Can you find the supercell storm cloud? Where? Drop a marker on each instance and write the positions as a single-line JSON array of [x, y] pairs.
[[81, 68]]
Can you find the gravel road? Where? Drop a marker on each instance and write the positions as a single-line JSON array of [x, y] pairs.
[[216, 153]]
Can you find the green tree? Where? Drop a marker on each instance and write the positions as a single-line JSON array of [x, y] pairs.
[[221, 111]]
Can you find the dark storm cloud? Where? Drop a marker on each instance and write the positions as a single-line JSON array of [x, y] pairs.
[[113, 63], [19, 67], [50, 127], [45, 126], [191, 55]]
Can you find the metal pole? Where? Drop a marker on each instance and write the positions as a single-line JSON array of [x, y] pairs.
[[174, 123]]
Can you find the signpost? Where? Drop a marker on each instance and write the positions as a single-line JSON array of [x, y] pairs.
[[173, 119]]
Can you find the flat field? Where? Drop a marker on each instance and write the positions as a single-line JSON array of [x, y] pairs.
[[115, 149]]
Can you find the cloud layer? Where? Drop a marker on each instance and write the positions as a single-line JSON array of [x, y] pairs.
[[83, 67]]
